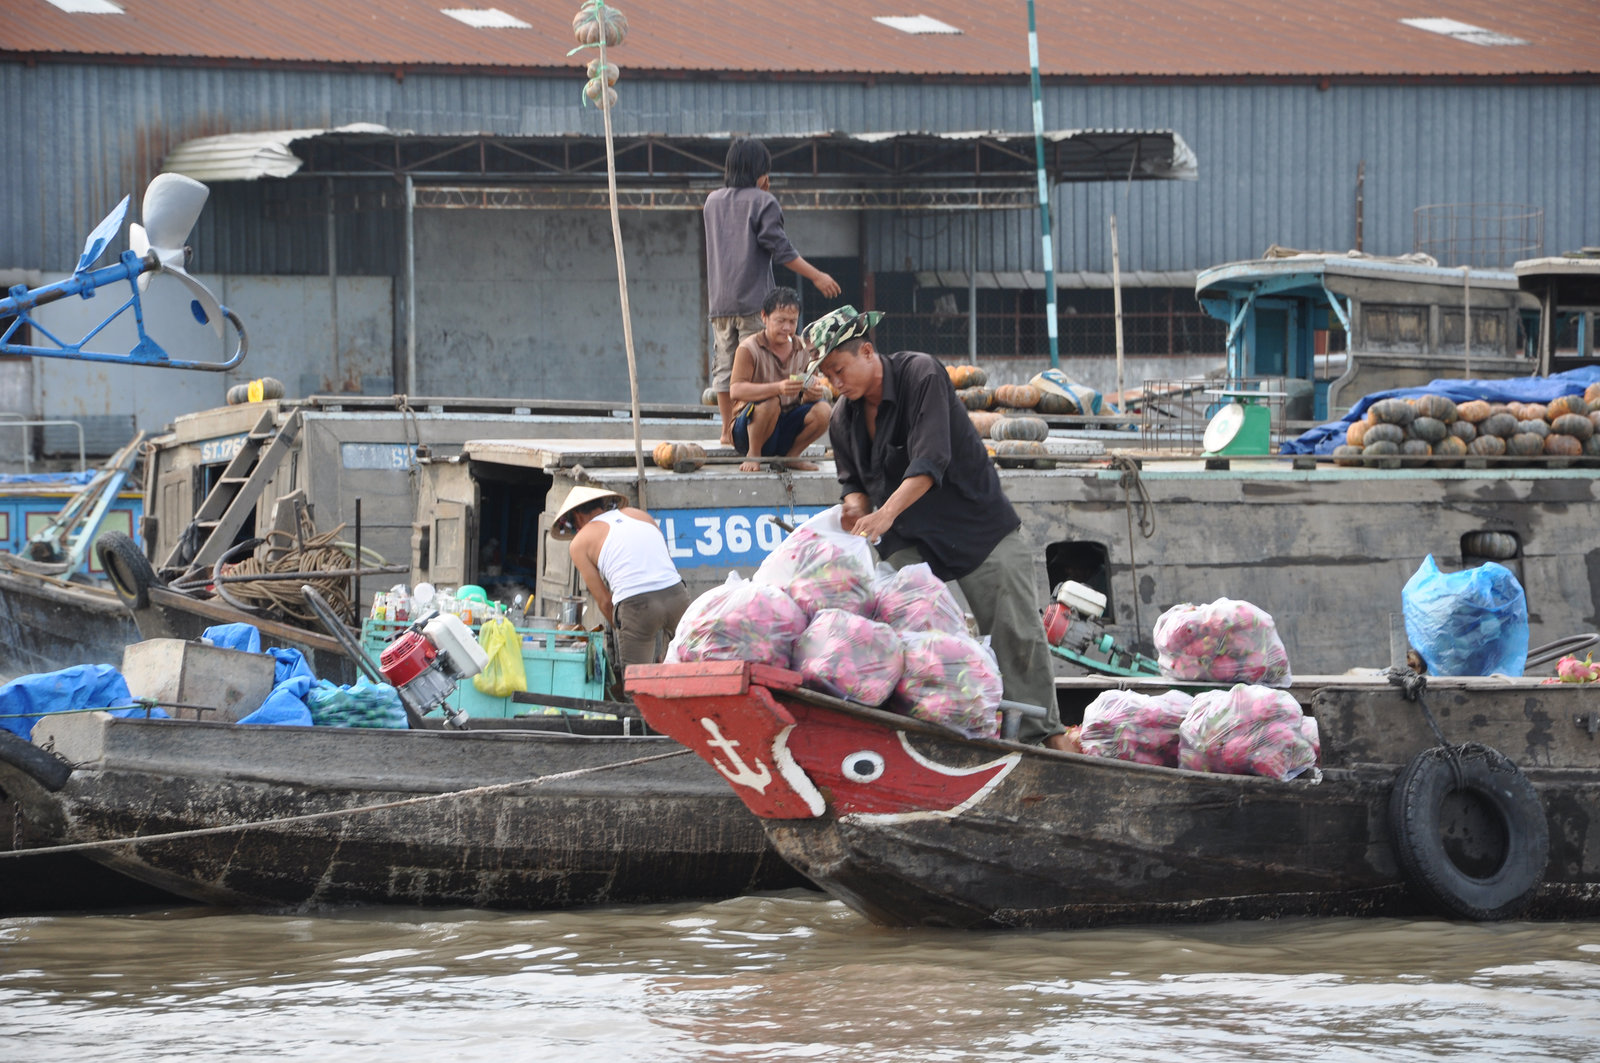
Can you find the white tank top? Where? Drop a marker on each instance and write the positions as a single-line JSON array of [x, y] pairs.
[[634, 559]]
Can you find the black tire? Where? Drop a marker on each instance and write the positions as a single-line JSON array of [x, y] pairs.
[[127, 568], [1477, 852]]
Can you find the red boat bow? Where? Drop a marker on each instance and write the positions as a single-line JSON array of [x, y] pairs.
[[788, 759]]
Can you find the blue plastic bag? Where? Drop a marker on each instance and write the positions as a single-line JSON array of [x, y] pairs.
[[365, 704], [1473, 622]]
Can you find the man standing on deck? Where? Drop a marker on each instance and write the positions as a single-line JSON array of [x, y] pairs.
[[918, 482], [623, 559], [744, 239]]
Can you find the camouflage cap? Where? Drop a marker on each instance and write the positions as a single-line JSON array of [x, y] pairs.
[[836, 326]]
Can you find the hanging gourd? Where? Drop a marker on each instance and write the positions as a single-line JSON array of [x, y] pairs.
[[596, 19]]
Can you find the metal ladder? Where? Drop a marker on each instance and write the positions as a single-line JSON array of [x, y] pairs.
[[235, 493]]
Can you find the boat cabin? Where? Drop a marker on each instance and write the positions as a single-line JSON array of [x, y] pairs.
[[1338, 327]]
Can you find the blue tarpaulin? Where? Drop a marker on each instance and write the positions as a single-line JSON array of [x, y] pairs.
[[1323, 438], [85, 686], [74, 479], [292, 676]]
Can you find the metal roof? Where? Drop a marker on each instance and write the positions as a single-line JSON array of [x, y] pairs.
[[1129, 38], [898, 160]]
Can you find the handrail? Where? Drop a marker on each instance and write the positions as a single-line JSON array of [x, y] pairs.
[[17, 420]]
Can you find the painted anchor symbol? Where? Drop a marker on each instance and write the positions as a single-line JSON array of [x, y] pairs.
[[757, 778]]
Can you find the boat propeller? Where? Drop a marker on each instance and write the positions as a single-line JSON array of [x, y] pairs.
[[172, 204]]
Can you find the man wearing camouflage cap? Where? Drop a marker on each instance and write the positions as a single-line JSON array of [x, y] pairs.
[[918, 482]]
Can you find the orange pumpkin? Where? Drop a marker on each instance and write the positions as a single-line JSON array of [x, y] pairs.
[[679, 457], [1355, 433], [1017, 396], [1563, 446], [1564, 405], [1473, 412]]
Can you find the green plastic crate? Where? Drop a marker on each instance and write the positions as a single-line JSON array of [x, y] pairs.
[[569, 664]]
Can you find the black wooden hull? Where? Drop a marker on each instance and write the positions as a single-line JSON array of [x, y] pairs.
[[659, 831], [48, 624], [1061, 840]]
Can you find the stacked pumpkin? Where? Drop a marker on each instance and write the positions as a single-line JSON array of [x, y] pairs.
[[1433, 428], [997, 414]]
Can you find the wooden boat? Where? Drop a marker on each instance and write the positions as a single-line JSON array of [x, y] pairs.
[[534, 818], [913, 825]]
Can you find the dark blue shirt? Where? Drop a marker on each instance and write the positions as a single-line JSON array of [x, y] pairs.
[[923, 430]]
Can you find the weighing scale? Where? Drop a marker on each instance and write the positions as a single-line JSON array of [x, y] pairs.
[[1242, 427]]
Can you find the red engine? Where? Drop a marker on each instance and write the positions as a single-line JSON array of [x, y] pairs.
[[406, 658]]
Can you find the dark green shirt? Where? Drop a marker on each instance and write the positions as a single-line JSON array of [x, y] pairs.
[[924, 430]]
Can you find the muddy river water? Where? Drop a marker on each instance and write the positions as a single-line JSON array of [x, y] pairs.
[[787, 976]]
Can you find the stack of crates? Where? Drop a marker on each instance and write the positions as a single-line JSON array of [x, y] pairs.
[[568, 664]]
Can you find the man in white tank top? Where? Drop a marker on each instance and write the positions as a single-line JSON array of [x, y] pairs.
[[623, 559]]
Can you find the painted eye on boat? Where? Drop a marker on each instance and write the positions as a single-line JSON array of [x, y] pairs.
[[864, 766]]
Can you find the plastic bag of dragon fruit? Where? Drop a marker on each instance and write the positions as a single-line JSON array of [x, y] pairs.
[[822, 566], [739, 621], [951, 680], [1248, 730], [849, 656], [914, 599], [1128, 725], [1226, 641]]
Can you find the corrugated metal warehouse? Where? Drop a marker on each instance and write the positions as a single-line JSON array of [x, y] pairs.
[[1311, 125]]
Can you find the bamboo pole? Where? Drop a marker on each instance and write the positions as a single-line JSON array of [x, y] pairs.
[[622, 266]]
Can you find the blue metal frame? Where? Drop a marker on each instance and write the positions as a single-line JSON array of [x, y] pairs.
[[146, 352]]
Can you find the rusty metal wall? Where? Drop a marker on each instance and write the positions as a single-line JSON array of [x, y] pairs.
[[1277, 161]]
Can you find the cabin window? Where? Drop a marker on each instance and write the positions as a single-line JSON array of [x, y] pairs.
[[1088, 563], [1488, 331], [1395, 327]]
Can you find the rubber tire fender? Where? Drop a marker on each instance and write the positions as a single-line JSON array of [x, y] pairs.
[[1416, 825], [129, 571]]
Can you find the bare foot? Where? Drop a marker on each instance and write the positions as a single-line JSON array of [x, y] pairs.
[[750, 466], [727, 441], [1066, 742]]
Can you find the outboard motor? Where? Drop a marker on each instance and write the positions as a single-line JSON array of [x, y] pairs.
[[428, 659], [1074, 625]]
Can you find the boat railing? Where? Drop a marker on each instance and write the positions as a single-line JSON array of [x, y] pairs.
[[17, 420]]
